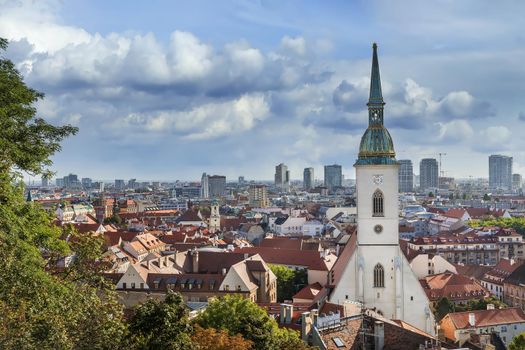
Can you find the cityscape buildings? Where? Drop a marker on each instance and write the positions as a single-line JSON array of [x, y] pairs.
[[375, 272], [308, 178], [517, 182], [282, 177], [333, 176], [205, 187], [428, 174], [120, 184], [217, 185], [500, 172], [258, 196], [406, 176]]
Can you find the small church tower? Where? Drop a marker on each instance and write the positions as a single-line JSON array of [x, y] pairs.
[[377, 273], [214, 224]]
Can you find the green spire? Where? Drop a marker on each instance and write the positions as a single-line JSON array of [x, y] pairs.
[[376, 96], [376, 144]]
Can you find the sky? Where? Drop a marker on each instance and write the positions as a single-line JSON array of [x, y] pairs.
[[166, 90]]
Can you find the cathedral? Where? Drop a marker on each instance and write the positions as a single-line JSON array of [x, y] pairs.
[[375, 271]]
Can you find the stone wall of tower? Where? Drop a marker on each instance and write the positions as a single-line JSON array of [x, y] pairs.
[[367, 182]]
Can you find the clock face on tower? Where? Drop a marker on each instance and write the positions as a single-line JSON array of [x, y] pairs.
[[377, 179]]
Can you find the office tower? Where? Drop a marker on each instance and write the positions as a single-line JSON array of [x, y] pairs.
[[258, 196], [120, 184], [132, 184], [45, 181], [428, 174], [242, 181], [333, 176], [86, 182], [406, 176], [59, 182], [500, 172], [308, 178], [517, 180], [217, 185], [205, 187], [282, 177]]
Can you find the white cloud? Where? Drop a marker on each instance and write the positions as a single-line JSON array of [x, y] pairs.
[[205, 121], [296, 45], [455, 131]]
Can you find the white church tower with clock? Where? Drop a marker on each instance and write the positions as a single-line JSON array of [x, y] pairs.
[[377, 273]]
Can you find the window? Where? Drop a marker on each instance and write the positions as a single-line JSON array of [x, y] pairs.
[[377, 204], [124, 285], [379, 276], [338, 342], [133, 285], [141, 285]]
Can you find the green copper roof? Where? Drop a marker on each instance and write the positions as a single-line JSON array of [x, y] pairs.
[[376, 144]]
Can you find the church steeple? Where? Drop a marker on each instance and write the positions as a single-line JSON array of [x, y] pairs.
[[376, 144]]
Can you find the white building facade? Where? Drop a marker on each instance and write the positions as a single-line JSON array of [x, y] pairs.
[[377, 273]]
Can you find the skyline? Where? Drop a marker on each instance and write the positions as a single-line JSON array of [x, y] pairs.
[[236, 89]]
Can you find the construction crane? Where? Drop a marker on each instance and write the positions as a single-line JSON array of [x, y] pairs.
[[441, 172]]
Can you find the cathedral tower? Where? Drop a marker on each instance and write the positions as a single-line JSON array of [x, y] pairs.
[[377, 273]]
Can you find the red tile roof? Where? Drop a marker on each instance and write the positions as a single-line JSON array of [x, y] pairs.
[[307, 258], [487, 318]]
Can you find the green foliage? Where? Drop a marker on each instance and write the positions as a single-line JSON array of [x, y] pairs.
[[289, 281], [41, 308], [486, 197], [161, 324], [26, 141], [430, 194], [517, 223], [518, 343], [443, 307], [481, 304], [238, 315]]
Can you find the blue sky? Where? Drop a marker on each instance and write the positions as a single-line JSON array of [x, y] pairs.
[[168, 90]]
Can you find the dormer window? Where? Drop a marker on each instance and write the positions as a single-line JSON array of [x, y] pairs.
[[377, 204]]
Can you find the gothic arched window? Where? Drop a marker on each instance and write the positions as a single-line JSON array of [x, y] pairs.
[[379, 276], [377, 204]]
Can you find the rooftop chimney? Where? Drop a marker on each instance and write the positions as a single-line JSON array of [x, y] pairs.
[[195, 261], [379, 335], [472, 319]]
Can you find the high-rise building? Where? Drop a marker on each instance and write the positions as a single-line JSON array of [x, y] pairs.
[[258, 196], [132, 184], [217, 185], [59, 182], [205, 187], [500, 172], [308, 178], [428, 174], [120, 184], [86, 182], [282, 177], [333, 176], [517, 181], [241, 181], [406, 176], [376, 272], [45, 181]]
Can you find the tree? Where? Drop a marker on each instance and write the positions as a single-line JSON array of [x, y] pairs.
[[238, 315], [486, 197], [518, 343], [443, 307], [212, 339], [289, 281], [430, 194], [40, 310], [161, 324]]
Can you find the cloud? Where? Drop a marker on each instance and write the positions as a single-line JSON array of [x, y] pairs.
[[455, 131], [295, 45], [205, 121], [493, 139]]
